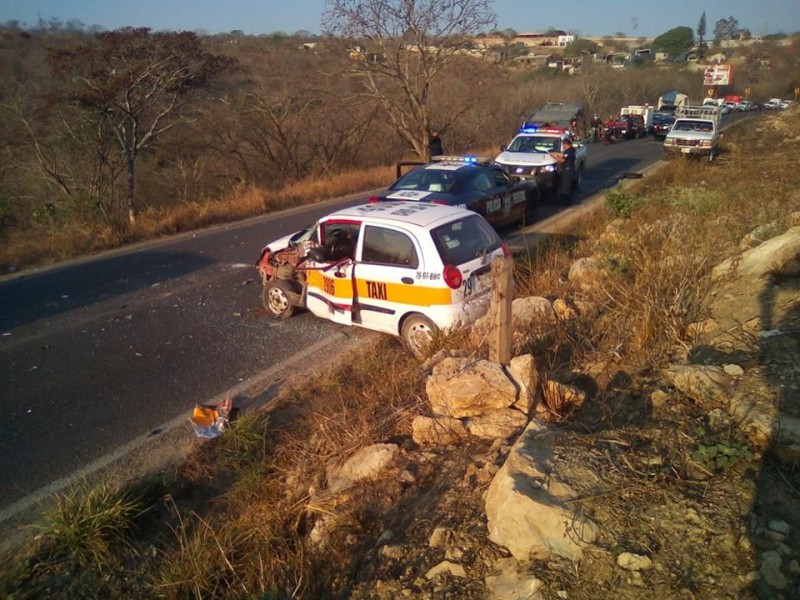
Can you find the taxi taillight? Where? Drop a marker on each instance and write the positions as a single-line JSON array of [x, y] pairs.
[[506, 251], [373, 200], [453, 277]]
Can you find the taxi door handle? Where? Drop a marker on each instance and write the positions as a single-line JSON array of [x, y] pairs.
[[407, 280]]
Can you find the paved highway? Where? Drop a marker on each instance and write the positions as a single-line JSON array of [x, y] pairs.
[[108, 352]]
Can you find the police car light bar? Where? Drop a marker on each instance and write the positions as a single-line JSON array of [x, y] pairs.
[[469, 159], [546, 130]]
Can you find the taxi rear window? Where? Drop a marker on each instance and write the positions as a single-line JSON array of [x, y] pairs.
[[464, 240]]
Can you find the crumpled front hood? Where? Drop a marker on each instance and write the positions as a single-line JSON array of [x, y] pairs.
[[524, 159]]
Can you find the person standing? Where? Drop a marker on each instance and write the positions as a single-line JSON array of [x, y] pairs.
[[566, 169], [435, 147]]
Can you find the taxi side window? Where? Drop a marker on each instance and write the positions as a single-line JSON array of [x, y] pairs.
[[388, 247], [340, 241]]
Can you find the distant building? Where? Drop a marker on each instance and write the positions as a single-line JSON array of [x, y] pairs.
[[530, 40], [565, 40]]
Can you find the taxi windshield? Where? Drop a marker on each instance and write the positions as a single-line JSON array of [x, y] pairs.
[[534, 143]]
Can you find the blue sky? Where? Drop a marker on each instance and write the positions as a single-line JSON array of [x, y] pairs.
[[589, 17]]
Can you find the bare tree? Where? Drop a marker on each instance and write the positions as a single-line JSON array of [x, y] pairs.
[[408, 44], [137, 83]]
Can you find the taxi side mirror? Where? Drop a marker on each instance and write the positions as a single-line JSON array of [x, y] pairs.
[[503, 148]]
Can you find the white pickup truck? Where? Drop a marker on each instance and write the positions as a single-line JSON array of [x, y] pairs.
[[527, 156], [694, 133]]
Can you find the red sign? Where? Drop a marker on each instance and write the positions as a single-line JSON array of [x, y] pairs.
[[717, 75]]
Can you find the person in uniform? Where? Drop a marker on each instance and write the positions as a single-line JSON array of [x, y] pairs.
[[435, 144], [566, 169]]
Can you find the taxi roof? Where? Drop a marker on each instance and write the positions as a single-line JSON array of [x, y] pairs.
[[420, 214]]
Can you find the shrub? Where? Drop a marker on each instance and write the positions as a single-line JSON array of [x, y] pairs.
[[621, 203]]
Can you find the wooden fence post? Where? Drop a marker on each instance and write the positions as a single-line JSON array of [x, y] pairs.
[[502, 296]]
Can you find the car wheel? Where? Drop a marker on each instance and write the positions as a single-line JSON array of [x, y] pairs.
[[277, 300], [417, 332]]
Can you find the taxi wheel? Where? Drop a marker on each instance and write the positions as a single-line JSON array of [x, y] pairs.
[[276, 299], [417, 332]]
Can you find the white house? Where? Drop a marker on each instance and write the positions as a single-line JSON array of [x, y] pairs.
[[565, 40]]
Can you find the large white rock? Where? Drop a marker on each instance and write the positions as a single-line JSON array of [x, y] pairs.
[[367, 463], [780, 254], [437, 430], [464, 387], [701, 383], [524, 372], [508, 581], [585, 271], [562, 398], [532, 310], [527, 505], [497, 424]]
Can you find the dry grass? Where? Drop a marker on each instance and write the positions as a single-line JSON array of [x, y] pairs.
[[49, 243]]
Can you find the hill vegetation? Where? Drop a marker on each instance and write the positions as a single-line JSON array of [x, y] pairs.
[[266, 123]]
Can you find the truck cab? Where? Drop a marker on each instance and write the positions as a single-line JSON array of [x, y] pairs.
[[694, 133]]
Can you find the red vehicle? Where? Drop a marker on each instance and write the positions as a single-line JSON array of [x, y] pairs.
[[618, 128]]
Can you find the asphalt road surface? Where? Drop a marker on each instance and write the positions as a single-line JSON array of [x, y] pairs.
[[99, 352]]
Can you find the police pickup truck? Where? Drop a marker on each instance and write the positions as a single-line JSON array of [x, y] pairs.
[[694, 133], [527, 156]]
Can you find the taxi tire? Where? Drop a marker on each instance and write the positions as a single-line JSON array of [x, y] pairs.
[[415, 325], [276, 299]]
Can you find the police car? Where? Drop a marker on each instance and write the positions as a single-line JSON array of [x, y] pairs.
[[405, 268], [527, 156], [471, 183]]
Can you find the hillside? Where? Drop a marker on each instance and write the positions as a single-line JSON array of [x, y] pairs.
[[678, 453]]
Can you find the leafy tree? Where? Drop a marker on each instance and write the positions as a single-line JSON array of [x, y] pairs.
[[726, 29], [580, 47], [412, 41], [674, 42], [137, 86]]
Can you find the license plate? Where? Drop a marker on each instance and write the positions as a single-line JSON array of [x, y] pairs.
[[685, 150]]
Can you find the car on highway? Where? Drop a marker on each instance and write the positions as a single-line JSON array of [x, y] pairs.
[[406, 268], [662, 123], [638, 126], [468, 182]]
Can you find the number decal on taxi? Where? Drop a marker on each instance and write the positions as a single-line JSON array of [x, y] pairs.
[[329, 286], [469, 286]]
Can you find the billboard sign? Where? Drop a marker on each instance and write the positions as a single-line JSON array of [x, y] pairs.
[[717, 75]]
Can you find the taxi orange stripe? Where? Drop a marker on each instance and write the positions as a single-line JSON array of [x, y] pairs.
[[413, 294]]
